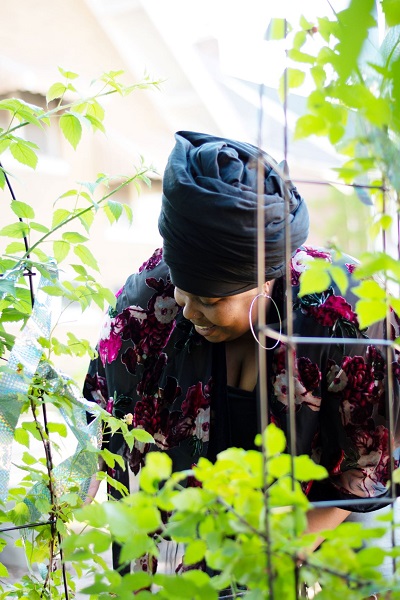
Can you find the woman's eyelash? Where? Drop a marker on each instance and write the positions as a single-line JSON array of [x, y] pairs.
[[207, 303]]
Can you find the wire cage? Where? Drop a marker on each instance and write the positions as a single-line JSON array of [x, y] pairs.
[[292, 341]]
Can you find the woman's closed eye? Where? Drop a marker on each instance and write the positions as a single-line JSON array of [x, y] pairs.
[[208, 302]]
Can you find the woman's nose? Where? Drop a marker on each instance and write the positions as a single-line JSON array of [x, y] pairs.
[[190, 311], [188, 303]]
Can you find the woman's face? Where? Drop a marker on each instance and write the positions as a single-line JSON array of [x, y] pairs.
[[218, 319]]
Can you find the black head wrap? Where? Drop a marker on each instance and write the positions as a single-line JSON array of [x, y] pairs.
[[208, 219]]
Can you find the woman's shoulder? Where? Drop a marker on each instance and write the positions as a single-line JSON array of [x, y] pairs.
[[139, 287], [304, 256]]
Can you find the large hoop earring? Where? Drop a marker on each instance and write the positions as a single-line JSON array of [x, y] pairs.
[[251, 322]]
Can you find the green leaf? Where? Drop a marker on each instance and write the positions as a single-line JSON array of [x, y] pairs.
[[395, 304], [305, 469], [28, 459], [391, 9], [60, 250], [20, 514], [23, 153], [87, 219], [309, 125], [370, 290], [23, 210], [59, 216], [314, 281], [95, 123], [71, 128], [73, 237], [355, 21], [95, 109], [15, 247], [68, 74], [158, 467], [339, 276], [274, 440], [142, 436], [6, 287], [57, 90], [295, 77], [38, 227], [370, 311], [4, 145], [303, 57], [113, 210], [278, 29], [40, 255], [128, 213], [195, 552], [86, 256], [21, 436], [22, 110], [53, 290], [299, 40], [15, 230], [59, 428], [319, 75], [136, 546]]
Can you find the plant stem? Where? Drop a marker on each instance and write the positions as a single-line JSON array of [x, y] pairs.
[[83, 211]]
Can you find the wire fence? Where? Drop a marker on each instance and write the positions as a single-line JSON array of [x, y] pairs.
[[292, 342]]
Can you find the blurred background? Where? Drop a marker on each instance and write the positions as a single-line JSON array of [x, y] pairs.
[[218, 75]]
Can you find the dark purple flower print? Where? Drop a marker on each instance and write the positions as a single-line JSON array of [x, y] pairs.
[[350, 267], [153, 261], [96, 389], [111, 338], [179, 428], [154, 335], [302, 257], [355, 381], [136, 457], [396, 369], [148, 385], [309, 373], [147, 415], [129, 359], [195, 400], [305, 381], [332, 309], [170, 392], [375, 359], [373, 463], [110, 406]]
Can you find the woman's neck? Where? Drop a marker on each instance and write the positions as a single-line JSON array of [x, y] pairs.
[[241, 363]]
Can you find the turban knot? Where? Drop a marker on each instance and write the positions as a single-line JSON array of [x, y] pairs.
[[208, 218]]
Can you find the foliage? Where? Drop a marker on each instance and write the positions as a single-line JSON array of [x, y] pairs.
[[355, 103], [246, 514], [44, 496]]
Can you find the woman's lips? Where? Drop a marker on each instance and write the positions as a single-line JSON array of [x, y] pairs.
[[204, 330]]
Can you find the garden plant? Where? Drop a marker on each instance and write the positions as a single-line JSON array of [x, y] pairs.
[[245, 515]]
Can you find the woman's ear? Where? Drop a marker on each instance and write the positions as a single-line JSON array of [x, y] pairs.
[[267, 288]]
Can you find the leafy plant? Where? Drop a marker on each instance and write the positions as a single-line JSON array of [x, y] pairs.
[[355, 103], [245, 517], [246, 514], [44, 501]]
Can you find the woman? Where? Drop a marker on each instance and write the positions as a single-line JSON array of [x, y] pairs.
[[177, 356]]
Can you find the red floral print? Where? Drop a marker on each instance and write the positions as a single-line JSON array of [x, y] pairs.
[[332, 309]]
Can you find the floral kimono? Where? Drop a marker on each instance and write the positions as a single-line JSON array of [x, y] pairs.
[[155, 371]]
